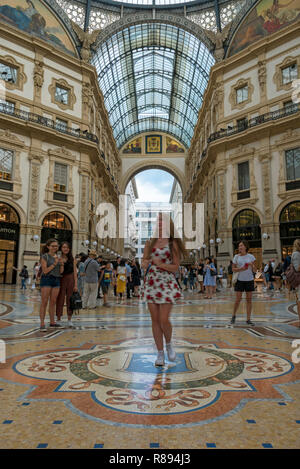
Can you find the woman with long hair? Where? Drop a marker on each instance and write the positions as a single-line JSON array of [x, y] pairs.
[[244, 264], [68, 282], [52, 267], [136, 277], [161, 291]]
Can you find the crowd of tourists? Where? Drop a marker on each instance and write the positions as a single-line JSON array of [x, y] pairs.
[[59, 274]]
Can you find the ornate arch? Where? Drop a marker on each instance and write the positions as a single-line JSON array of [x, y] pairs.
[[152, 164], [241, 209], [64, 212], [20, 212], [282, 205], [147, 17]]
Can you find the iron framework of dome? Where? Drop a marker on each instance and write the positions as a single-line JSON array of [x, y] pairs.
[[153, 77], [153, 74]]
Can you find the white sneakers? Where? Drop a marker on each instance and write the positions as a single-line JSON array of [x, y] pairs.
[[171, 353], [160, 360]]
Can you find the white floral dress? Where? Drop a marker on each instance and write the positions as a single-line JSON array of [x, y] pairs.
[[161, 286]]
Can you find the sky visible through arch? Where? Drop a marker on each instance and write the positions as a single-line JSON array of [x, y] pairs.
[[154, 185]]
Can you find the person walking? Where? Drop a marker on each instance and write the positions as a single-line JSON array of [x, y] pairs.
[[52, 268], [105, 281], [200, 275], [68, 283], [161, 289], [121, 280], [136, 277], [24, 276], [244, 264], [210, 277], [115, 265], [80, 273], [128, 279], [90, 291], [229, 274], [295, 261]]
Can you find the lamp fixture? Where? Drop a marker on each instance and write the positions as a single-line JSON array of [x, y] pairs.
[[85, 243], [35, 238], [266, 236], [211, 241]]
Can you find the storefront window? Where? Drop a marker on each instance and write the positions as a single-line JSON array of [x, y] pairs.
[[289, 227]]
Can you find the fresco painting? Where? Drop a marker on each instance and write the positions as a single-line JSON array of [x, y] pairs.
[[133, 147], [266, 18], [172, 146], [33, 17]]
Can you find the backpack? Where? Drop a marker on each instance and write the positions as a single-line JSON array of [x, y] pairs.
[[292, 276]]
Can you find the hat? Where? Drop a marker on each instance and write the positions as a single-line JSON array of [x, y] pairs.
[[93, 252]]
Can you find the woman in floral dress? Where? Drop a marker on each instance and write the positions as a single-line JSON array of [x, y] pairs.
[[161, 290]]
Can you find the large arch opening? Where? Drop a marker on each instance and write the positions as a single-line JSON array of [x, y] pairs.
[[148, 192]]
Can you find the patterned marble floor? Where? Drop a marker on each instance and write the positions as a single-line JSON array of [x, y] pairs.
[[95, 386]]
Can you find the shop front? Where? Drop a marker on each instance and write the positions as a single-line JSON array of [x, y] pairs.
[[246, 227], [58, 226], [9, 243], [289, 227]]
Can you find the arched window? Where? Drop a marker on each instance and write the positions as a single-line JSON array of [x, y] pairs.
[[246, 226], [289, 226], [57, 220], [58, 226], [8, 214]]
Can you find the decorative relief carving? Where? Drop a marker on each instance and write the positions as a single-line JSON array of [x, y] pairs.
[[38, 78], [34, 192], [262, 78], [83, 212], [218, 39], [87, 39]]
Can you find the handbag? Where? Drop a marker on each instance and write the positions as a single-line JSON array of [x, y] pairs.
[[75, 301], [292, 276]]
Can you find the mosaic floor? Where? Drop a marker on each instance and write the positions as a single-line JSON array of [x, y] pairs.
[[95, 386]]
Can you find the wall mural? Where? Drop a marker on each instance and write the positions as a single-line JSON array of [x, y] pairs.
[[135, 146], [173, 147], [266, 18], [33, 17]]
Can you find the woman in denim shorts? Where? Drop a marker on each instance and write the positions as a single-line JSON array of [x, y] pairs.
[[52, 268]]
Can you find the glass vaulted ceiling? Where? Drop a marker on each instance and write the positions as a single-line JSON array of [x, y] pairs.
[[153, 77]]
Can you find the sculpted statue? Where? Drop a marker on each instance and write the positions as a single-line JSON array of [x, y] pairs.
[[218, 38], [87, 40]]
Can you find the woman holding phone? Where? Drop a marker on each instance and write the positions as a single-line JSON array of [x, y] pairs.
[[68, 282], [161, 290], [244, 264], [52, 268]]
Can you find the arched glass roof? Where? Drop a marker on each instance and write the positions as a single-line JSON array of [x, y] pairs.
[[153, 77]]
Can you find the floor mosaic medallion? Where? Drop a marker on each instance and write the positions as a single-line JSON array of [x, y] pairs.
[[119, 384]]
